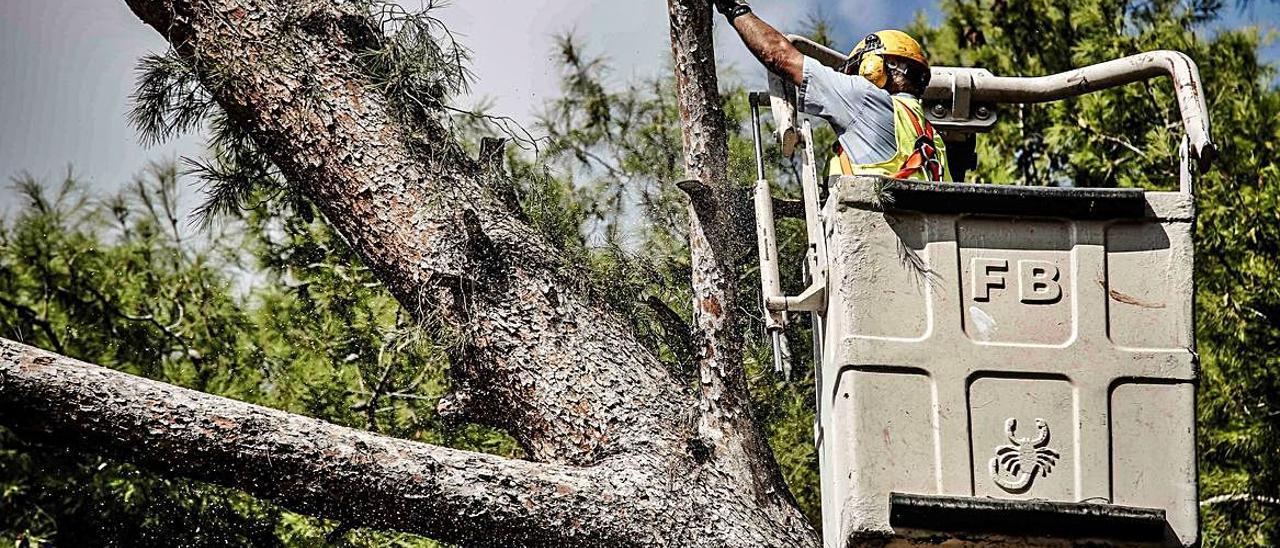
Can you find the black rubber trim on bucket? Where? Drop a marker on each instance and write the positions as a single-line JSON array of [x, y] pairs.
[[1036, 201], [1026, 518]]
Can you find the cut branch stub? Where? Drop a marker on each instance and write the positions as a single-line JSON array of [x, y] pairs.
[[701, 196]]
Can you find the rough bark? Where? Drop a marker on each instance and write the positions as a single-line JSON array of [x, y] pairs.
[[628, 455]]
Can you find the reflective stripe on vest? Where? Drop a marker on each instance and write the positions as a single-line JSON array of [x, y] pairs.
[[921, 154]]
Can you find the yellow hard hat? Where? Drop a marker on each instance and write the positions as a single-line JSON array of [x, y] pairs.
[[868, 56]]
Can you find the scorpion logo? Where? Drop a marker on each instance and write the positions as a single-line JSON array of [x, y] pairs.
[[1023, 458]]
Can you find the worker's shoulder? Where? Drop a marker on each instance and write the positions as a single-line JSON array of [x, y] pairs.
[[906, 99], [818, 74]]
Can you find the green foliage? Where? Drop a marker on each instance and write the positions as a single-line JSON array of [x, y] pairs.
[[168, 99], [620, 148], [1118, 138], [412, 57]]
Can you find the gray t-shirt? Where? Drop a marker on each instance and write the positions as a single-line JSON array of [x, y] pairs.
[[860, 113]]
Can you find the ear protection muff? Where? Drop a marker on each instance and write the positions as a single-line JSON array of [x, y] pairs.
[[868, 62]]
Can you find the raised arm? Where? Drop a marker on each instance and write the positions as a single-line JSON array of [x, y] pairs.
[[771, 47]]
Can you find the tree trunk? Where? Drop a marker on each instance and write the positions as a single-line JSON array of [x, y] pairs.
[[720, 240], [625, 454]]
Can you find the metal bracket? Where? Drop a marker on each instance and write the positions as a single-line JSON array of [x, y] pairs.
[[962, 115], [812, 299]]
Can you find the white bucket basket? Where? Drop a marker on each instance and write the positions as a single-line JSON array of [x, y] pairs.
[[1000, 364]]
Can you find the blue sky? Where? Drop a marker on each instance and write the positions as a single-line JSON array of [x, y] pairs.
[[66, 66]]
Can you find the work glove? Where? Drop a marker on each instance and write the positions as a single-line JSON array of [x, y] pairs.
[[731, 9]]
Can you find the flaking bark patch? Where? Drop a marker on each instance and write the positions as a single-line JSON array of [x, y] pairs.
[[711, 306]]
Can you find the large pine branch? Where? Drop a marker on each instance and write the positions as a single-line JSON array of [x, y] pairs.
[[305, 464]]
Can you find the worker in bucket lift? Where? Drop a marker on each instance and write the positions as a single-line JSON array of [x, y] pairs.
[[872, 101]]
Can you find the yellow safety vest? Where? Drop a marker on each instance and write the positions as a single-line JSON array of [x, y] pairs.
[[914, 159]]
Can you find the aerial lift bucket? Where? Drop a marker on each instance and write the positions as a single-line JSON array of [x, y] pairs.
[[998, 364]]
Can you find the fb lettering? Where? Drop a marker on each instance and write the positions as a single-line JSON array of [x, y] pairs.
[[1037, 280]]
